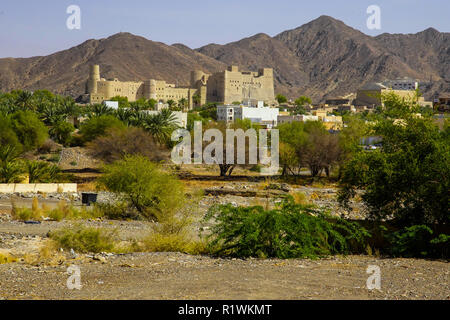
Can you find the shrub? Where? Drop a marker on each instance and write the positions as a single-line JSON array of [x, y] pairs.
[[62, 132], [41, 172], [6, 258], [8, 136], [11, 168], [158, 242], [119, 142], [63, 211], [417, 241], [408, 178], [98, 126], [85, 239], [152, 192], [26, 214], [119, 210], [31, 131], [289, 231]]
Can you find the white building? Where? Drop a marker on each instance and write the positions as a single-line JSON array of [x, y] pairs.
[[256, 114], [112, 104], [402, 84]]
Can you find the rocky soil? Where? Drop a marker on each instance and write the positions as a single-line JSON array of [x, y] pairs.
[[180, 276]]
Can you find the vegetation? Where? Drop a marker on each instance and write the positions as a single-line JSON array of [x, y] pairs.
[[308, 145], [289, 231], [280, 98], [148, 190], [85, 239], [119, 142], [98, 125], [408, 179], [63, 211]]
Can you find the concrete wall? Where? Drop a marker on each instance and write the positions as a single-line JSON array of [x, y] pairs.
[[38, 187]]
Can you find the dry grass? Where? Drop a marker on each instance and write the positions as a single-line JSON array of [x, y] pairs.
[[63, 211], [7, 258], [300, 198]]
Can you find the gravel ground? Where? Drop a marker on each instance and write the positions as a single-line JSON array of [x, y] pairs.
[[180, 276]]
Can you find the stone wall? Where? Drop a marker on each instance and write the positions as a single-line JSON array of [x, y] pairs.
[[38, 187]]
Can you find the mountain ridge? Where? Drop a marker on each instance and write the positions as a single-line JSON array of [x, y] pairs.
[[321, 58]]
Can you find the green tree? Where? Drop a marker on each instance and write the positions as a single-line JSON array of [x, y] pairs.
[[160, 125], [8, 136], [408, 178], [183, 103], [41, 172], [302, 100], [97, 126], [171, 103], [31, 131], [149, 190], [62, 132], [151, 103], [280, 98], [11, 169], [196, 99]]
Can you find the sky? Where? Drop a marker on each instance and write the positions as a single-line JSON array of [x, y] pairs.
[[33, 28]]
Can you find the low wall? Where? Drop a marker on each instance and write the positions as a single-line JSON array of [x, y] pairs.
[[38, 187]]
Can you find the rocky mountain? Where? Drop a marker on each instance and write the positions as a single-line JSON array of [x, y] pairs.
[[322, 58], [325, 57], [123, 55]]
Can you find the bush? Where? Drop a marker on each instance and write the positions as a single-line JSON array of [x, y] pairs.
[[85, 239], [63, 211], [8, 136], [41, 172], [417, 242], [7, 258], [62, 132], [408, 178], [158, 242], [153, 193], [289, 231], [31, 131], [126, 141], [98, 126]]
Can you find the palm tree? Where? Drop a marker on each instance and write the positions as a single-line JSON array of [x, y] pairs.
[[125, 115], [182, 103], [98, 109], [10, 168], [160, 125], [39, 171], [24, 99]]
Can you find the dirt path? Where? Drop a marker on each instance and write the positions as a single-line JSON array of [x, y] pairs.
[[180, 276]]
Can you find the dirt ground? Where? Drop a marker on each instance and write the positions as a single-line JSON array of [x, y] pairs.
[[180, 276]]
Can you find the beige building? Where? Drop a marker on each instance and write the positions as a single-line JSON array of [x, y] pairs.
[[232, 85], [100, 89], [370, 94], [224, 87]]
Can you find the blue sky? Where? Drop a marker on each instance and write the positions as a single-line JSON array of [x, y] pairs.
[[30, 28]]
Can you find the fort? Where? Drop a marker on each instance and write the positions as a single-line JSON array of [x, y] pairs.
[[224, 87]]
